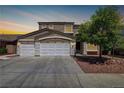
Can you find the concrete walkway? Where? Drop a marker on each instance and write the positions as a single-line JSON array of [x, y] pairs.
[[52, 72], [102, 80], [4, 57]]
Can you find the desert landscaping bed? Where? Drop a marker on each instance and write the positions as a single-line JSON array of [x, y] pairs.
[[91, 64]]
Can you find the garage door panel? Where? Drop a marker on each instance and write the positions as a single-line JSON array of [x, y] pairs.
[[27, 50]]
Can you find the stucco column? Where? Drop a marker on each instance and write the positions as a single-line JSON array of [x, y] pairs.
[[84, 48], [37, 48], [72, 48]]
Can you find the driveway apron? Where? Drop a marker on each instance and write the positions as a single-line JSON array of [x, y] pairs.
[[46, 71]]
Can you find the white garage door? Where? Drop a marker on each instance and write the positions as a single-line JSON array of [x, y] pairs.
[[55, 49], [26, 49]]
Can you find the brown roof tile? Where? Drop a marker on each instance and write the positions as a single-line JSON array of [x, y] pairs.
[[70, 35], [9, 37]]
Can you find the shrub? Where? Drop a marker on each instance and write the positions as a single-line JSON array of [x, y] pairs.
[[3, 50]]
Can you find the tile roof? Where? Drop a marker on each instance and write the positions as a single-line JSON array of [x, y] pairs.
[[44, 30], [9, 37]]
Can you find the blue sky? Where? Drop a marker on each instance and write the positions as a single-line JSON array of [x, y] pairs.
[[25, 18]]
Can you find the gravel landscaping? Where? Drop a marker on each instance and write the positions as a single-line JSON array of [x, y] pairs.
[[91, 64]]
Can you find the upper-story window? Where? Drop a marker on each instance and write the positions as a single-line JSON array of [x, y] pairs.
[[68, 28]]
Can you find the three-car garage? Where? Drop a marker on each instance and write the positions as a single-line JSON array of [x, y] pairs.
[[45, 49], [46, 43]]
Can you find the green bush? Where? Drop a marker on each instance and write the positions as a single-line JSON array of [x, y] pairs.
[[3, 50]]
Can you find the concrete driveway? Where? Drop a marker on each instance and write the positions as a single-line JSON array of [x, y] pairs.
[[52, 72], [40, 72]]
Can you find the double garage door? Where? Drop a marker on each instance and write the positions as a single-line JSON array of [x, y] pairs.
[[50, 49], [54, 49]]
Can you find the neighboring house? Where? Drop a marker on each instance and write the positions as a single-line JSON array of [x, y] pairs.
[[9, 42], [53, 38]]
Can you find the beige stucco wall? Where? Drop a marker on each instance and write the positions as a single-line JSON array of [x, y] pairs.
[[59, 27], [11, 49]]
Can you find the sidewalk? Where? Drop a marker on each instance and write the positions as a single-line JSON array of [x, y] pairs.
[[101, 80], [8, 56]]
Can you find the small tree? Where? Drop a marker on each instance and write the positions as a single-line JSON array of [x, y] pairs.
[[84, 32], [103, 29]]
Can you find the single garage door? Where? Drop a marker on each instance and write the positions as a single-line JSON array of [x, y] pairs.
[[55, 49], [26, 50]]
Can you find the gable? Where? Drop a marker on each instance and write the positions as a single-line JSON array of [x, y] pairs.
[[55, 34], [44, 32], [33, 36]]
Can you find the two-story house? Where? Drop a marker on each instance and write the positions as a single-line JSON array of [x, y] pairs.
[[53, 38]]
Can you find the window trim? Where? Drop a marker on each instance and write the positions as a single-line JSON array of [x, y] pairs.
[[65, 28]]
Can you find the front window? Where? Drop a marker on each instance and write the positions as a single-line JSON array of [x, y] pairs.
[[91, 47]]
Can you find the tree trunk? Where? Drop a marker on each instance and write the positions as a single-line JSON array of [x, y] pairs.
[[100, 51], [113, 51]]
